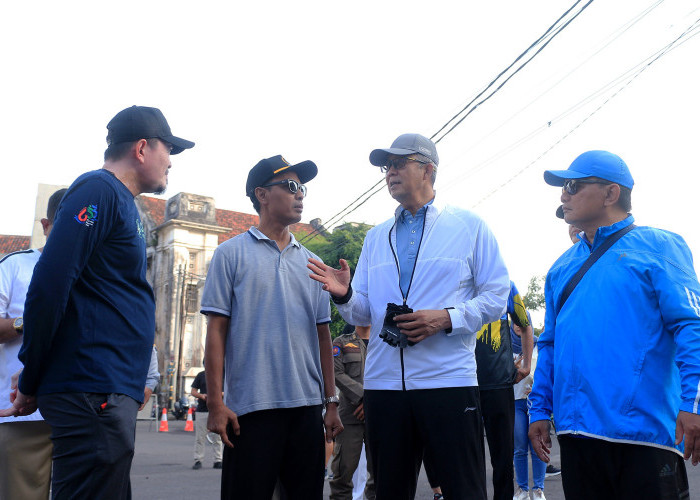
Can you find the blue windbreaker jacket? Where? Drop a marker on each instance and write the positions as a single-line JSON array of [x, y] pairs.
[[623, 355]]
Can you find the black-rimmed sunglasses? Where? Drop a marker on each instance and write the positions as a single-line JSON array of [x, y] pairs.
[[571, 186], [291, 184], [400, 163]]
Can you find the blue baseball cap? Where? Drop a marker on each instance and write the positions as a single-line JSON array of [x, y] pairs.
[[601, 164], [406, 144]]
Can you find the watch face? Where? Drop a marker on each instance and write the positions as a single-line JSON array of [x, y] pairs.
[[18, 323]]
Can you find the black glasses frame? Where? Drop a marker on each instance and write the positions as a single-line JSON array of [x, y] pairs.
[[571, 186], [291, 184], [400, 163]]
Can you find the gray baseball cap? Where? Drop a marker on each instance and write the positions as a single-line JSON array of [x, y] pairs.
[[406, 144]]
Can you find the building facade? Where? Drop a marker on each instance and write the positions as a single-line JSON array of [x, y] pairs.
[[181, 234]]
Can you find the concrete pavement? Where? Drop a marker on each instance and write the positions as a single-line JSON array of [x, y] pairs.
[[162, 469]]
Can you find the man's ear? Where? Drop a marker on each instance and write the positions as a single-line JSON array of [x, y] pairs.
[[261, 194], [139, 150], [46, 225], [612, 194]]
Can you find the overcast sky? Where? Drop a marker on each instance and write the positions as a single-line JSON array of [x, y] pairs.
[[330, 81]]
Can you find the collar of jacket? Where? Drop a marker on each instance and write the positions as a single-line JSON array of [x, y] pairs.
[[603, 232], [433, 210]]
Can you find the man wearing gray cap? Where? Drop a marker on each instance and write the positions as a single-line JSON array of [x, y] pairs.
[[268, 325], [619, 358], [427, 280], [89, 317]]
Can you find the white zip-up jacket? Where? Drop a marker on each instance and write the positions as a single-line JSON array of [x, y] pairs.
[[458, 267]]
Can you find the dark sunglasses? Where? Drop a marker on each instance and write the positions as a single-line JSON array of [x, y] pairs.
[[571, 186], [400, 163], [291, 184]]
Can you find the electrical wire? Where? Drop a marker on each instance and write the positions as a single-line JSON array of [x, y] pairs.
[[358, 202], [659, 54]]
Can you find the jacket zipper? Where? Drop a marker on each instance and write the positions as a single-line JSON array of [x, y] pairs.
[[405, 297]]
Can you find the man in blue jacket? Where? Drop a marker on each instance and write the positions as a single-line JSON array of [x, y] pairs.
[[619, 360], [89, 317]]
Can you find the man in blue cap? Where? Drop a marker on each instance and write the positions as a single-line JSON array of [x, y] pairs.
[[427, 280], [619, 358]]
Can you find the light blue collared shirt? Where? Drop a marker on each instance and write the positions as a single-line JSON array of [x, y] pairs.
[[409, 232]]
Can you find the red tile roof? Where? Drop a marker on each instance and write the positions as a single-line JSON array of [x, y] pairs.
[[12, 243], [155, 207]]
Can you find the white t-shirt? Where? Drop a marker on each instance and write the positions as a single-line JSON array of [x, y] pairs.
[[15, 274]]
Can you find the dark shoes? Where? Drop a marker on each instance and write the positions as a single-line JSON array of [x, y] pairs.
[[552, 471], [217, 465], [197, 465]]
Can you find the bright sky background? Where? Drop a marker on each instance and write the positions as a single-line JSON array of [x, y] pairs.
[[330, 81]]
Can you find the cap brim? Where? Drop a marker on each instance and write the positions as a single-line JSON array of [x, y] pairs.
[[379, 157], [306, 170], [559, 177], [179, 144]]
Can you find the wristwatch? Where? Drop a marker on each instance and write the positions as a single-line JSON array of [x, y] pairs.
[[18, 325], [331, 399]]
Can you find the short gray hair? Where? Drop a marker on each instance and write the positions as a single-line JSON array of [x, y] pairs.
[[428, 160]]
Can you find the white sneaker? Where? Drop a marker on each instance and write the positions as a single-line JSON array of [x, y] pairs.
[[521, 494], [538, 494]]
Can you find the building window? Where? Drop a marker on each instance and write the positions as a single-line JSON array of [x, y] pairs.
[[191, 298], [193, 262]]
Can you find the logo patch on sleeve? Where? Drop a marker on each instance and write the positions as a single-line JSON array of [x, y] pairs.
[[87, 216], [336, 351]]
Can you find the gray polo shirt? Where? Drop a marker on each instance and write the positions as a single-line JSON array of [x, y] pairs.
[[272, 354]]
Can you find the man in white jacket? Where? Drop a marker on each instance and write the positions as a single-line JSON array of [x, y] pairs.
[[441, 267]]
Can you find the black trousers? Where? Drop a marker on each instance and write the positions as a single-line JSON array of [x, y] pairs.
[[593, 468], [445, 424], [498, 410], [285, 443], [93, 444]]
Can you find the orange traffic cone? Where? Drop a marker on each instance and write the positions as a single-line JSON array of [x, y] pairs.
[[189, 425], [164, 421]]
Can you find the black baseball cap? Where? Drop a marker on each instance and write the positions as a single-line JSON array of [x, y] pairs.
[[266, 169], [141, 122]]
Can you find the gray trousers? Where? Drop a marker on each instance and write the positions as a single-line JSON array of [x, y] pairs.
[[93, 444]]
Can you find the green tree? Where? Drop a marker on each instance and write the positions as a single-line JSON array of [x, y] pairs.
[[534, 298], [345, 242]]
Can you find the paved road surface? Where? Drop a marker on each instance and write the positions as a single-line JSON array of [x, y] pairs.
[[162, 469]]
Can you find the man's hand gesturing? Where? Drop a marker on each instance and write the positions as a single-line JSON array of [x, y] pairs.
[[335, 281]]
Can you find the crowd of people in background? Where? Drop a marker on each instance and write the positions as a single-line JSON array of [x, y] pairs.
[[438, 357]]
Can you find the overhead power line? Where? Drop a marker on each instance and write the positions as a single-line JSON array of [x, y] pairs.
[[542, 42], [692, 31]]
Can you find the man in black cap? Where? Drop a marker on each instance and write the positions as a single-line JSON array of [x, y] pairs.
[[269, 323], [89, 317]]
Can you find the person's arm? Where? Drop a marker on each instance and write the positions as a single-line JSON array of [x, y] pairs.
[[678, 293], [62, 261], [528, 342], [492, 287], [8, 275], [198, 395], [350, 299], [152, 378], [350, 387], [331, 420], [220, 416], [7, 331], [541, 396]]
